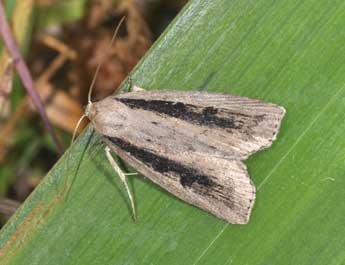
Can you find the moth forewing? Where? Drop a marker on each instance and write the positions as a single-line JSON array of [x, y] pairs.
[[214, 184], [191, 143]]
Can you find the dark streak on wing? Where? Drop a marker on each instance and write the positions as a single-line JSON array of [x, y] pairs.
[[187, 176], [206, 116]]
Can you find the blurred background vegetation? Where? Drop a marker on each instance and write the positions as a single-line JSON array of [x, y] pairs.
[[63, 41]]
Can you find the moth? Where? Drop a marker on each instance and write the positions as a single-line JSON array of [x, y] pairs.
[[190, 143]]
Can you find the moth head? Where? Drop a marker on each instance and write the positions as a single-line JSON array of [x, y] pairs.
[[89, 110]]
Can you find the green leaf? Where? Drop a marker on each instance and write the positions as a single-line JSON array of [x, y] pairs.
[[291, 53]]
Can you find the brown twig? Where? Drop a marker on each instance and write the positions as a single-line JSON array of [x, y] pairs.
[[24, 73], [6, 81]]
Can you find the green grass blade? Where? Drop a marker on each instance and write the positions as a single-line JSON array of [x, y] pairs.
[[288, 52]]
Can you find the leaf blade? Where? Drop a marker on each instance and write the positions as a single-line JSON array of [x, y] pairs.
[[279, 52]]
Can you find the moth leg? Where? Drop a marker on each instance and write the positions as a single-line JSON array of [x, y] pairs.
[[137, 89], [122, 176], [131, 174], [129, 84], [132, 88]]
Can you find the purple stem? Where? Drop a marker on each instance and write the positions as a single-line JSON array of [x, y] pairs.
[[24, 73]]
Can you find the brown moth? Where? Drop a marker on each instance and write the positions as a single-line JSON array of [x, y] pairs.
[[190, 143]]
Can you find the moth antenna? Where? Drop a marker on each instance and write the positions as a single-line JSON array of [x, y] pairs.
[[101, 63], [70, 146], [122, 176], [89, 97]]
